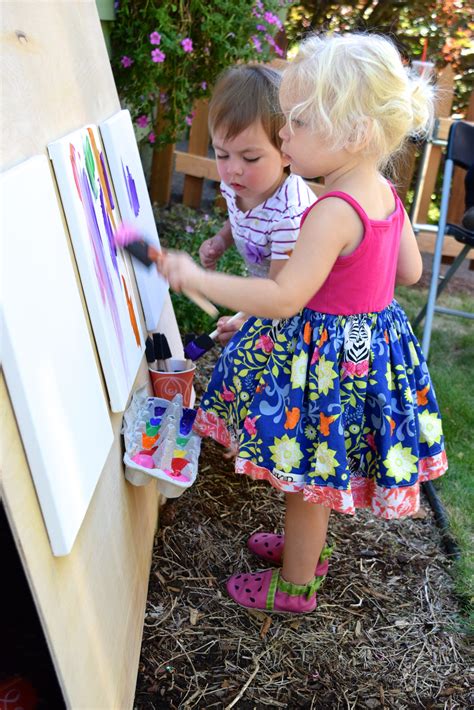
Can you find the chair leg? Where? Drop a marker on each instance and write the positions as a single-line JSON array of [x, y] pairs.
[[444, 280], [430, 305]]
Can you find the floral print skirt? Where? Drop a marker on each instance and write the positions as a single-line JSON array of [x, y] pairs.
[[340, 407]]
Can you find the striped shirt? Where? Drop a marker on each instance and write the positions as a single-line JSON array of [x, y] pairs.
[[269, 231]]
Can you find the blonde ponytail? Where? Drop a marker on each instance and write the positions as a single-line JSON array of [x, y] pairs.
[[422, 101]]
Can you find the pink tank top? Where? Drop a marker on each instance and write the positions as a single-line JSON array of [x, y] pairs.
[[364, 281]]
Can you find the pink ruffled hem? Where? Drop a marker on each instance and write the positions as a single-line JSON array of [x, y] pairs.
[[384, 502], [209, 424]]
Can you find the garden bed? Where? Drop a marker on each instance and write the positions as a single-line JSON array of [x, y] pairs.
[[386, 633]]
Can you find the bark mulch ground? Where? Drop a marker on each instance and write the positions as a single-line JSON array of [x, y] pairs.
[[386, 634]]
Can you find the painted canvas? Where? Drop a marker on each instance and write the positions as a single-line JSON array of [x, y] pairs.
[[134, 202], [48, 357], [92, 216]]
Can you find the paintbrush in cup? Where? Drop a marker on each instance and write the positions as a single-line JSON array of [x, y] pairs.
[[162, 351]]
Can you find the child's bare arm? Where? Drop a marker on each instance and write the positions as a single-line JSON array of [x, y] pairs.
[[409, 264], [212, 249], [328, 229]]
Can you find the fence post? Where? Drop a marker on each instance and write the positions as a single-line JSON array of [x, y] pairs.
[[161, 167], [445, 87], [198, 145]]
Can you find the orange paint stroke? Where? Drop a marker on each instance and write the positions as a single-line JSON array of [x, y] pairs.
[[131, 313], [307, 333], [102, 179]]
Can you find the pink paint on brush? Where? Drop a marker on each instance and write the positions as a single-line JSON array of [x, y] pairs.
[[126, 234]]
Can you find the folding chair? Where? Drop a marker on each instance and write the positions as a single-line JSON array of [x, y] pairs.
[[460, 152]]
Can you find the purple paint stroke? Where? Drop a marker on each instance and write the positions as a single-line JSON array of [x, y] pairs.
[[102, 273], [131, 189], [110, 236], [107, 184]]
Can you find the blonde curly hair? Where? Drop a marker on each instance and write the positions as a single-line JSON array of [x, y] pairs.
[[353, 90]]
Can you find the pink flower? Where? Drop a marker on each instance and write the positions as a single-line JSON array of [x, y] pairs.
[[151, 137], [155, 38], [142, 121], [126, 62], [265, 343], [249, 426], [204, 85], [256, 43], [189, 230], [273, 19], [158, 56], [357, 369], [189, 119], [315, 357], [227, 395], [187, 44]]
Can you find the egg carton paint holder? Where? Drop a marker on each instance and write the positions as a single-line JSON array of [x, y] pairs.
[[160, 444]]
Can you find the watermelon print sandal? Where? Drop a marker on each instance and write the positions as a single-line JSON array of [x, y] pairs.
[[269, 547], [268, 591]]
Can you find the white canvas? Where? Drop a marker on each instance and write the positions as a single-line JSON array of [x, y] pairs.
[[92, 216], [47, 354], [135, 207]]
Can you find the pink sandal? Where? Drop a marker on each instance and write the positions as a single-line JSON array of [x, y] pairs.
[[269, 546], [268, 591]]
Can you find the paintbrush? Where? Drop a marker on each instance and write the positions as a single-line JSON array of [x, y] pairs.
[[126, 237], [162, 351], [149, 351], [194, 349]]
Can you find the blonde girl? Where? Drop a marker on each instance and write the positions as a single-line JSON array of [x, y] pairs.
[[333, 406]]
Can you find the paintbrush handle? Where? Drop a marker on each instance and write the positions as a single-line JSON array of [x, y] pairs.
[[193, 296], [202, 302], [236, 316]]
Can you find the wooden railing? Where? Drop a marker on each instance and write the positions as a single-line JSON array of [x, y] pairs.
[[197, 167]]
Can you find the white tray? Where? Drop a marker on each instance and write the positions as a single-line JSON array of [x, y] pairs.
[[140, 475]]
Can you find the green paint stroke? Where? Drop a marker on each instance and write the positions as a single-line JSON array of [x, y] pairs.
[[90, 166]]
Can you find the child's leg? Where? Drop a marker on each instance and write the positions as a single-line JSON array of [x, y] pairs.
[[305, 535]]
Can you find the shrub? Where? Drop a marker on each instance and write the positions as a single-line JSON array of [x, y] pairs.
[[168, 54]]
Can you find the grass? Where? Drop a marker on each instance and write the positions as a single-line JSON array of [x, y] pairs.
[[451, 362]]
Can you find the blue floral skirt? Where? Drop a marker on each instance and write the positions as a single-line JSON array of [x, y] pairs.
[[340, 407]]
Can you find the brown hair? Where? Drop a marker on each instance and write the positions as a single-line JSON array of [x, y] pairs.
[[244, 94]]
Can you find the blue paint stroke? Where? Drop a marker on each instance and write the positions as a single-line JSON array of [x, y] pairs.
[[131, 189]]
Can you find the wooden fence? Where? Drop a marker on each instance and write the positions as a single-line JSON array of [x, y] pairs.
[[197, 167]]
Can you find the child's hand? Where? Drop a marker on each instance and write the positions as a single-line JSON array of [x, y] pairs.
[[226, 330], [181, 272], [211, 251]]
